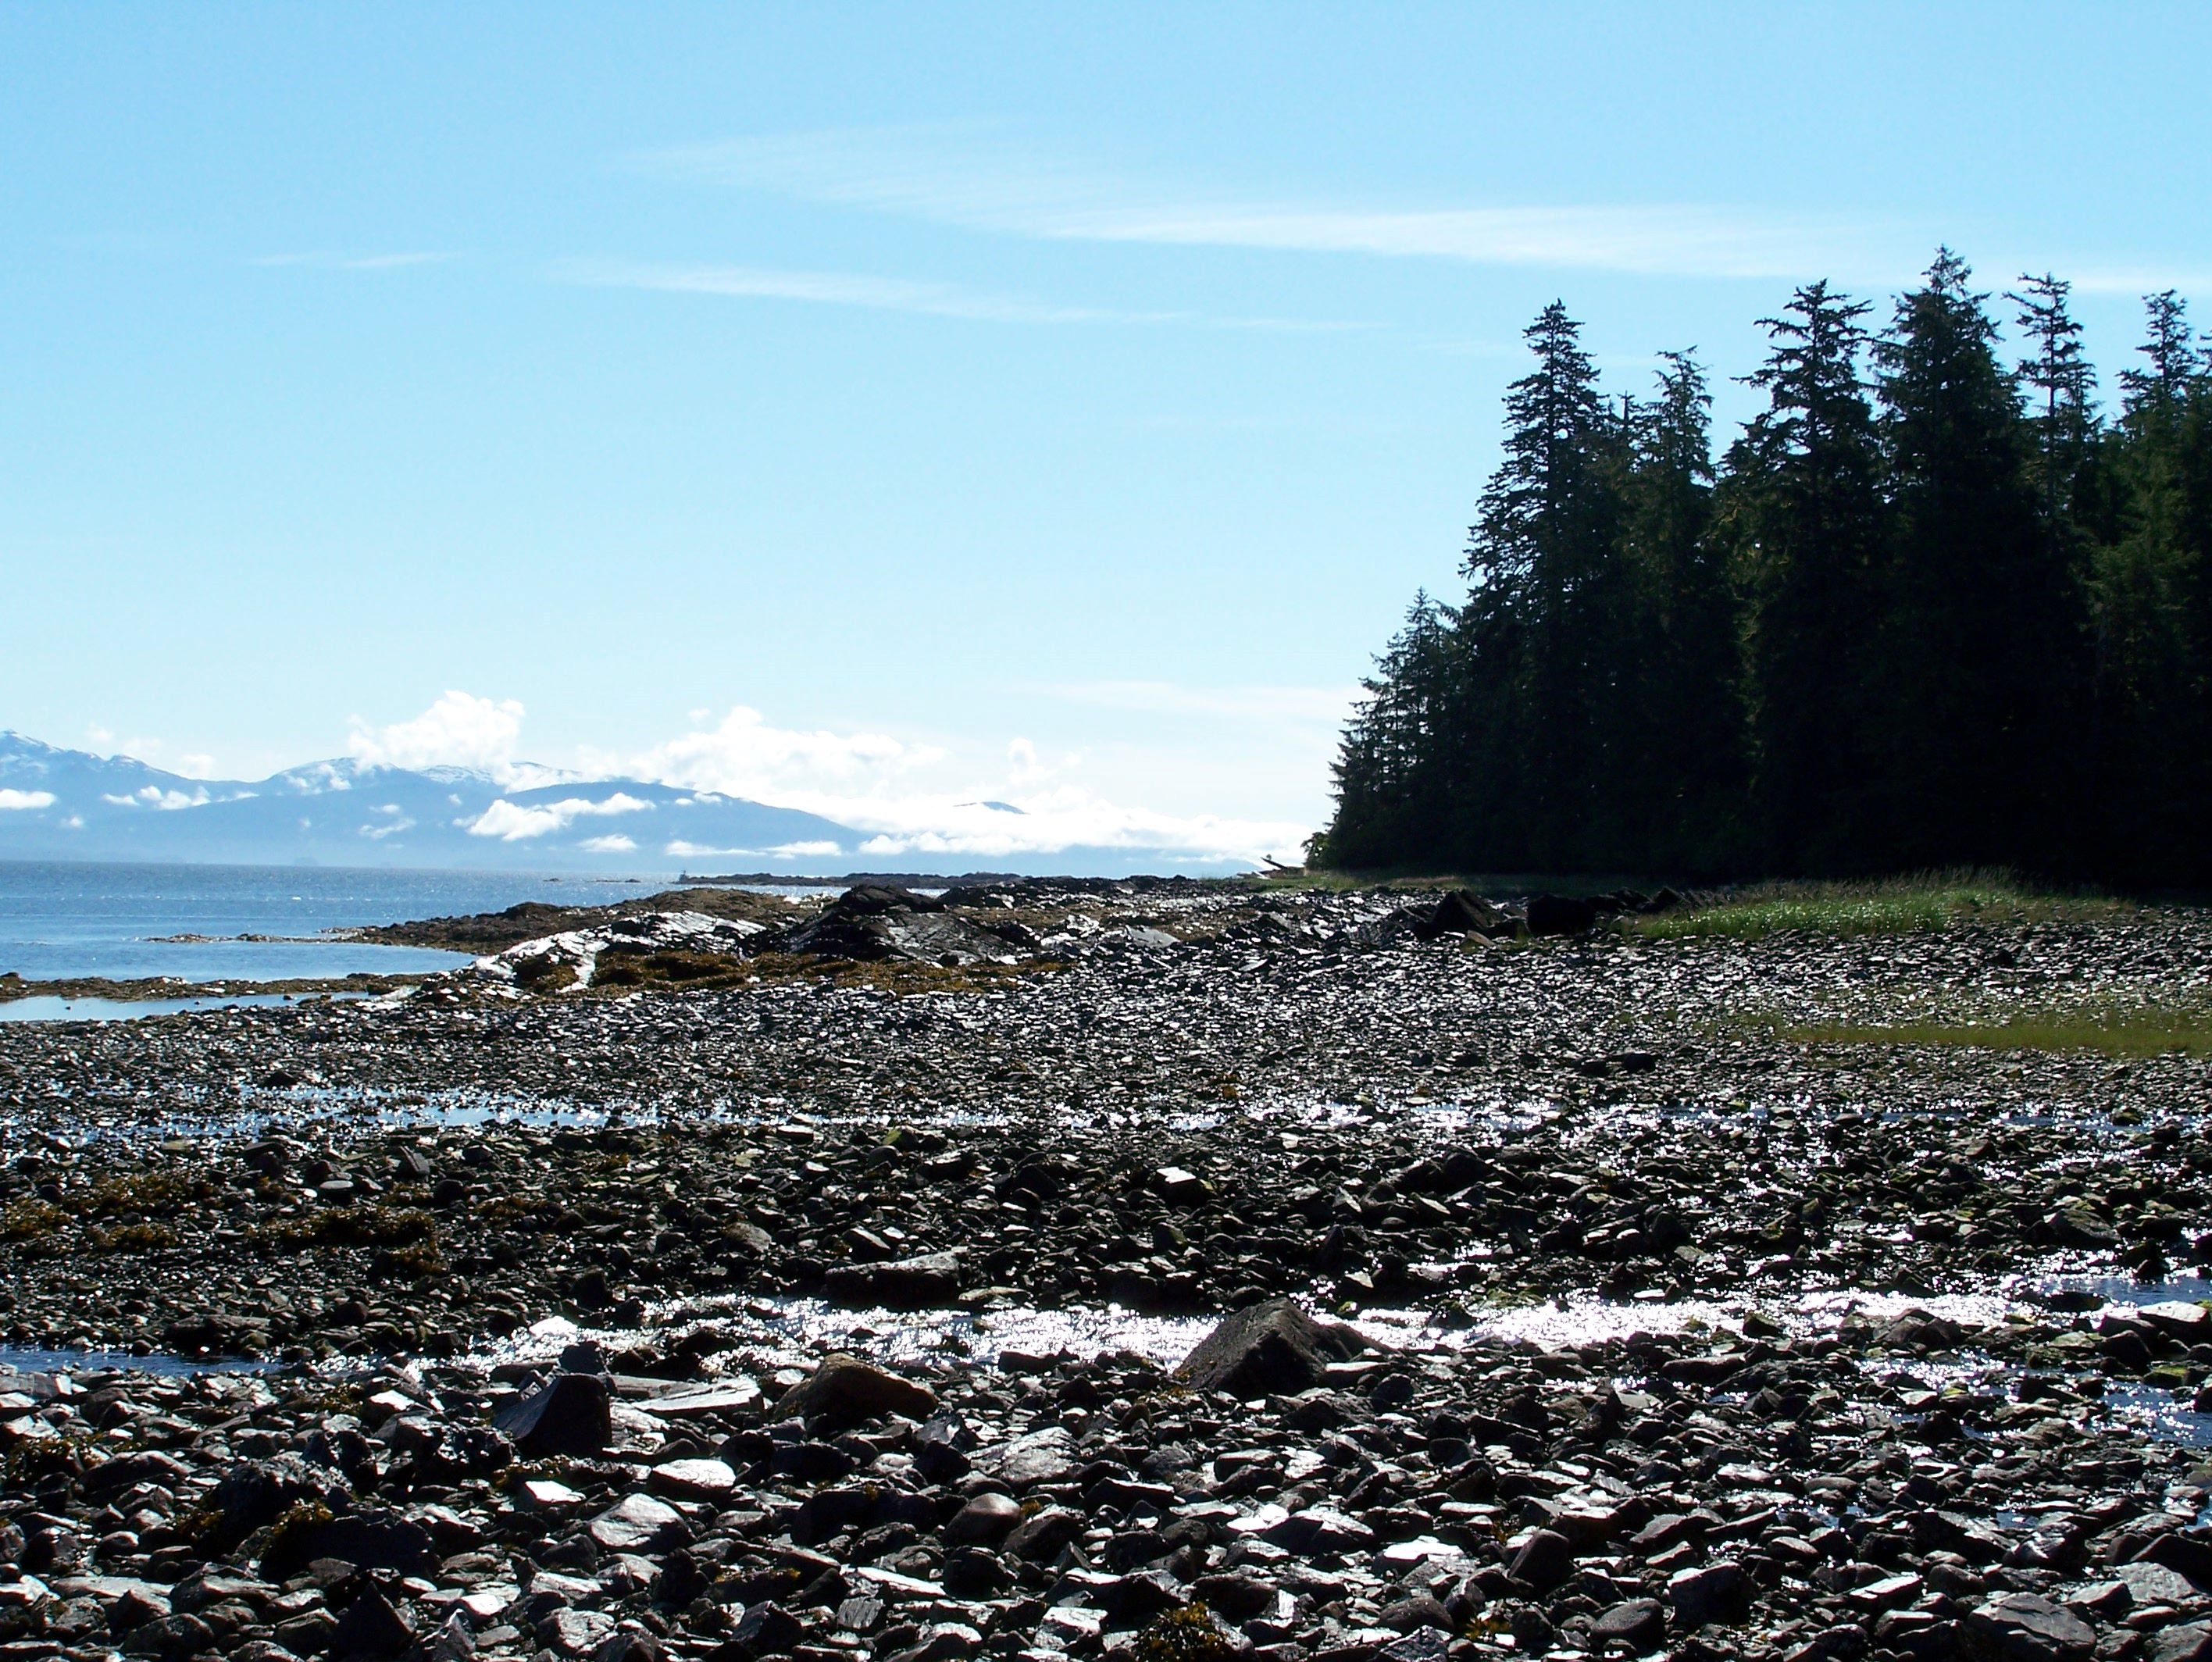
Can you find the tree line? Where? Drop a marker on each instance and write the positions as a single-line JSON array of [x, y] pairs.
[[1929, 609]]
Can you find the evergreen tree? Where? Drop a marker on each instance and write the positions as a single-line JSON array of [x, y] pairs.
[[2065, 436], [2153, 592], [1867, 645], [1681, 749], [1981, 626], [1397, 764], [1538, 559], [1803, 504]]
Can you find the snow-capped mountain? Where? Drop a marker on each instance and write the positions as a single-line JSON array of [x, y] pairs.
[[70, 804]]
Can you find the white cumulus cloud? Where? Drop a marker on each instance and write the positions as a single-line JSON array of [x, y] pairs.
[[153, 796], [613, 843], [918, 798], [459, 730], [745, 756], [23, 799], [513, 822]]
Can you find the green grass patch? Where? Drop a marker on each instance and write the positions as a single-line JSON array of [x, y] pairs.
[[1893, 905], [2126, 1033]]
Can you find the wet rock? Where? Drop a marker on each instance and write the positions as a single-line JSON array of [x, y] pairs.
[[1044, 1533], [930, 1280], [873, 923], [1706, 1593], [2025, 1627], [974, 1573], [1462, 912], [845, 1389], [256, 1493], [765, 1629], [168, 1637], [568, 1414], [1271, 1349]]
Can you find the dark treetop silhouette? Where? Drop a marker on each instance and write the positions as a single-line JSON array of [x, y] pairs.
[[1927, 610]]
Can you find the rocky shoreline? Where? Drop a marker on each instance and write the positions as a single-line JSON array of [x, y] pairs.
[[1665, 1336]]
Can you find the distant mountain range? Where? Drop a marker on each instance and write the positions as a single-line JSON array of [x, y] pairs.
[[69, 805], [58, 804]]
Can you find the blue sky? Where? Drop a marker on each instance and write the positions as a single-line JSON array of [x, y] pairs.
[[877, 409]]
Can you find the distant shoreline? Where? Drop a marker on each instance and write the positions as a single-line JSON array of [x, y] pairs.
[[851, 879]]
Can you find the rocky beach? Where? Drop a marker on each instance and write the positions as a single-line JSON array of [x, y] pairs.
[[1180, 1270]]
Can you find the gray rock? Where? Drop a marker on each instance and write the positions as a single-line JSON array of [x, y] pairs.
[[1274, 1349], [1545, 1560], [986, 1518], [2151, 1583], [2023, 1627], [1639, 1623], [2189, 1642], [846, 1389], [692, 1480], [638, 1523]]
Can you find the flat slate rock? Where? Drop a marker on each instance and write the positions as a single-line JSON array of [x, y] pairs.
[[2025, 1627], [637, 1521]]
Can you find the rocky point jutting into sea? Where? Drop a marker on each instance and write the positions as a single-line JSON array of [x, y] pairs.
[[1178, 1270]]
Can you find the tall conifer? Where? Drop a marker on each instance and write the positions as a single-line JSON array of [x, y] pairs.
[[1981, 631], [1805, 508]]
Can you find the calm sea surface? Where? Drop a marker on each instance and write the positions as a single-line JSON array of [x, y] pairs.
[[62, 921]]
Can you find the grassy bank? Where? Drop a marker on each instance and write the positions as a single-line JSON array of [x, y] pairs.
[[1892, 906], [2113, 1030]]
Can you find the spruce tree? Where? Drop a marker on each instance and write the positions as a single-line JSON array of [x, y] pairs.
[[1680, 751], [1804, 508], [1538, 560], [1983, 650], [2153, 593]]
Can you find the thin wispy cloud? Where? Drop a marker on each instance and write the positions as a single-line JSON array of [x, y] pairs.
[[935, 299], [930, 174], [845, 289], [328, 261], [2137, 280]]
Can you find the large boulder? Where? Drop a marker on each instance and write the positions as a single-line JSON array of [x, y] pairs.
[[2031, 1628], [1270, 1350], [845, 1390], [875, 922], [569, 1414], [1462, 912]]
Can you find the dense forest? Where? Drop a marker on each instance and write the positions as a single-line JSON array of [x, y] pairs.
[[1931, 608]]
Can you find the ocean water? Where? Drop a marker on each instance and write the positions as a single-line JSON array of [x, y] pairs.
[[63, 921]]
